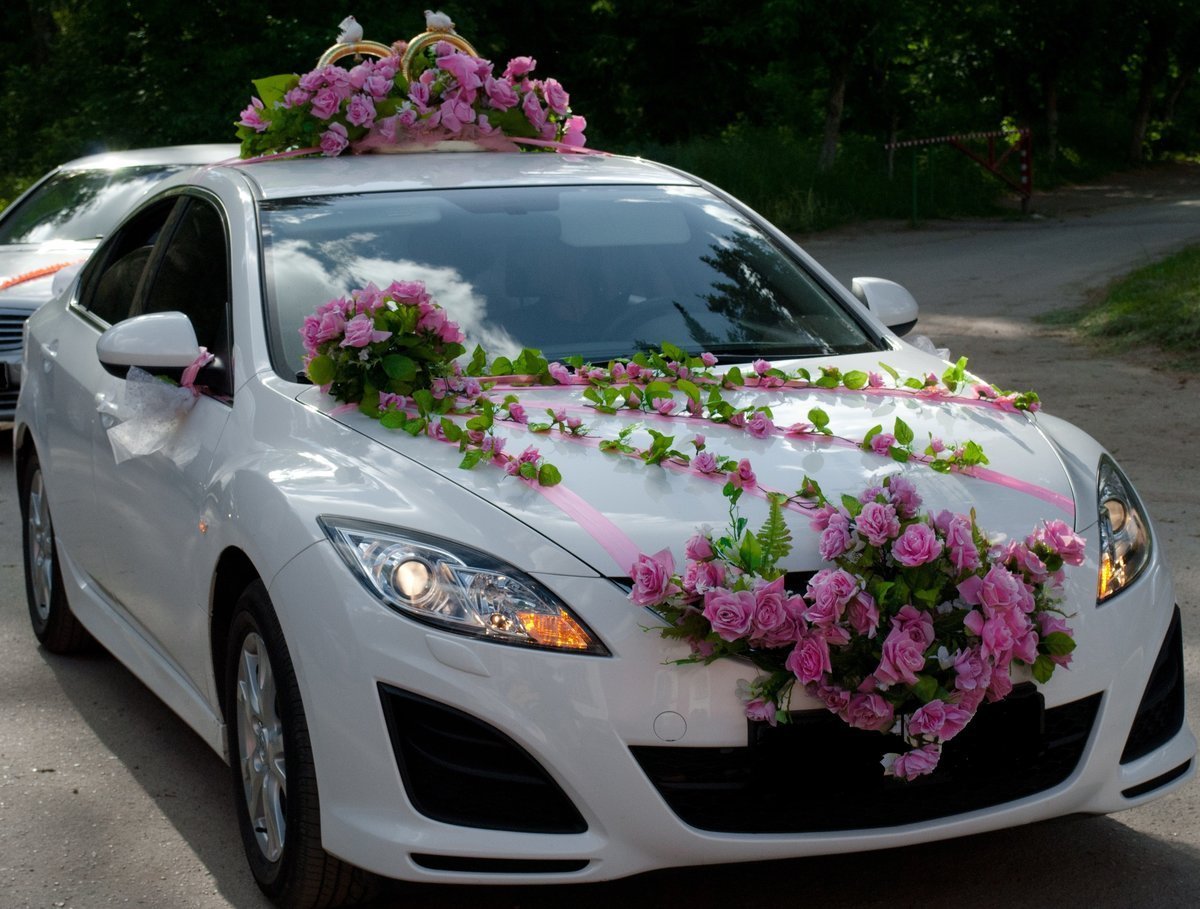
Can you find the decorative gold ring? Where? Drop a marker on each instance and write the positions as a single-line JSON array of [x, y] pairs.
[[338, 51], [425, 39]]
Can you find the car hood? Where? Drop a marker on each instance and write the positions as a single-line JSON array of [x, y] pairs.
[[611, 505], [21, 259]]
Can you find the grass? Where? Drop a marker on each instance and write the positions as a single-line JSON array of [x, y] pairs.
[[1157, 306]]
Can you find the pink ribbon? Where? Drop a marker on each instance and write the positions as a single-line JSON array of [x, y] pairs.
[[188, 379]]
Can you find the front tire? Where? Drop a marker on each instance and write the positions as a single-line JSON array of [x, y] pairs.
[[273, 774], [54, 625]]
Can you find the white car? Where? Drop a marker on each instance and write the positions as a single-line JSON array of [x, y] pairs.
[[355, 622], [60, 219]]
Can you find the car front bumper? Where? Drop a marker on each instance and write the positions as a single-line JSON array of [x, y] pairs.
[[581, 719]]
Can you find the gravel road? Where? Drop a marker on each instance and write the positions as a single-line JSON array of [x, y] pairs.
[[107, 799]]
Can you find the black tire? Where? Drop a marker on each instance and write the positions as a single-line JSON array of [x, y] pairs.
[[54, 625], [282, 840]]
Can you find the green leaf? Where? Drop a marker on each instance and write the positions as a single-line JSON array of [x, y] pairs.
[[415, 426], [855, 379], [750, 553], [819, 418], [914, 383], [657, 390], [502, 366], [393, 419], [898, 454], [481, 423], [528, 471], [424, 400], [774, 535], [734, 377], [548, 475], [672, 352], [320, 370], [272, 88], [478, 359], [903, 432], [1043, 668], [925, 688], [871, 433], [689, 388], [472, 457], [451, 429], [891, 372], [400, 367], [1058, 643]]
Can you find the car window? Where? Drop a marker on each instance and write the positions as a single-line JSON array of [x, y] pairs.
[[190, 274], [112, 278], [600, 271], [80, 204]]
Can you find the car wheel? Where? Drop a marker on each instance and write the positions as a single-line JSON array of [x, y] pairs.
[[55, 627], [273, 774]]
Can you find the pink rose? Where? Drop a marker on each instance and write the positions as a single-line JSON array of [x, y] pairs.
[[729, 612], [761, 711], [971, 670], [334, 140], [769, 613], [871, 712], [252, 118], [705, 462], [902, 659], [701, 577], [809, 659], [882, 443], [960, 543], [863, 614], [361, 111], [759, 425], [878, 523], [904, 496], [360, 331], [917, 545], [325, 103], [708, 359], [1068, 544], [912, 764], [556, 96], [516, 413], [519, 66], [699, 547], [500, 93], [835, 539], [743, 476], [533, 111], [559, 373], [652, 578]]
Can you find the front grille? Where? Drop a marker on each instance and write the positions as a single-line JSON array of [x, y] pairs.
[[12, 324], [459, 770], [498, 866], [818, 774], [1160, 713]]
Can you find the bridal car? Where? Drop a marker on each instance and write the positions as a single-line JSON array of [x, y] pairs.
[[433, 656]]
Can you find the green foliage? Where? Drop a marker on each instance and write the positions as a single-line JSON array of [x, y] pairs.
[[1157, 306]]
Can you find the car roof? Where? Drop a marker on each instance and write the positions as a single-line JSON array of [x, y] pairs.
[[289, 178], [169, 154]]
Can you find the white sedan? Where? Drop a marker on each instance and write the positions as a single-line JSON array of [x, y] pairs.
[[432, 673]]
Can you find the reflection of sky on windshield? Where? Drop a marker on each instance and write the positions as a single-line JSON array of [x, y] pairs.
[[307, 275]]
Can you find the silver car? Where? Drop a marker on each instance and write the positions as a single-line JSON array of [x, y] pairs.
[[59, 220]]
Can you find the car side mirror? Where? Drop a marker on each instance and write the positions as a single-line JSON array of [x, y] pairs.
[[889, 302], [158, 342]]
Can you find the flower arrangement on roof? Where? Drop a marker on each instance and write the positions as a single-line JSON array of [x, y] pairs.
[[427, 90]]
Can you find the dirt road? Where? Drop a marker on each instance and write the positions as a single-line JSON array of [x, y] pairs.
[[107, 799]]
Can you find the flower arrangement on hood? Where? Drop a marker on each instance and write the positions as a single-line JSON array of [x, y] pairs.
[[439, 92], [915, 623]]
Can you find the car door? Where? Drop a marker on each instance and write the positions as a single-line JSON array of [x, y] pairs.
[[152, 502]]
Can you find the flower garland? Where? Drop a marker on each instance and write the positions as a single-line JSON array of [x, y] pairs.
[[917, 621], [439, 93]]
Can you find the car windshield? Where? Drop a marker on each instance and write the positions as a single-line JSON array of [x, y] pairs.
[[597, 271], [80, 204]]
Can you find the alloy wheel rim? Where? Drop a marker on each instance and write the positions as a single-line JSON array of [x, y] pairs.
[[40, 548], [260, 747]]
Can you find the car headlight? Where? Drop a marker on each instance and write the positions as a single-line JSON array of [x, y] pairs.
[[457, 588], [1124, 534]]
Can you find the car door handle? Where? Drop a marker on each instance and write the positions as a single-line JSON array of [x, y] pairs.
[[107, 410], [49, 355]]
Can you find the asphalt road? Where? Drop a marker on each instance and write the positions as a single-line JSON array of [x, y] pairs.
[[107, 799]]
